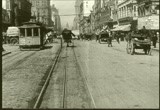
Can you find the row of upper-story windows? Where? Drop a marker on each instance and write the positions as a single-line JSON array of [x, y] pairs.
[[148, 10], [39, 3], [127, 11]]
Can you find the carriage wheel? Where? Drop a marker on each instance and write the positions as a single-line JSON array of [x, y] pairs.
[[14, 41]]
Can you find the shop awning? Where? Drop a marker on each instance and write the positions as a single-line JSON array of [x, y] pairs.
[[122, 28]]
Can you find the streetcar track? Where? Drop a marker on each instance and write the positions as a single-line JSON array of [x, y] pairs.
[[84, 77], [63, 104], [9, 60], [65, 82], [12, 66], [11, 55], [44, 88]]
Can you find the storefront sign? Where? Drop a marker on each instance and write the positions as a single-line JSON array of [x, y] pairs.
[[150, 22]]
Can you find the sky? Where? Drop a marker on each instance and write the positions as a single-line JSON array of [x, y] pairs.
[[65, 7], [3, 4]]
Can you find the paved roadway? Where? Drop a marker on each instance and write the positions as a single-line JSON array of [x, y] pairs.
[[117, 79]]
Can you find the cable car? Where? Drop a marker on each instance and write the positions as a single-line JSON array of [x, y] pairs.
[[32, 36]]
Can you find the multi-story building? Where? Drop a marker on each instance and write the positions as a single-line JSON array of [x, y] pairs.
[[148, 14], [42, 10], [79, 14], [128, 14], [9, 6], [114, 12], [56, 18], [85, 7], [5, 20], [19, 11], [97, 4]]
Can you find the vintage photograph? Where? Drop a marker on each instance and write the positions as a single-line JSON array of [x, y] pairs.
[[80, 54]]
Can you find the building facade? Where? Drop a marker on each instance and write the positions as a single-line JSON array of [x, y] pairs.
[[79, 14], [56, 18], [19, 11], [83, 10], [148, 14], [5, 20], [128, 13], [42, 11]]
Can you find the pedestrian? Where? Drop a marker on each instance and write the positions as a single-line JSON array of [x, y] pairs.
[[110, 38], [67, 36], [117, 37], [154, 39], [97, 36]]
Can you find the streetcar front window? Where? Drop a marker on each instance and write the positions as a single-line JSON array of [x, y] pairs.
[[22, 32], [29, 32], [35, 32]]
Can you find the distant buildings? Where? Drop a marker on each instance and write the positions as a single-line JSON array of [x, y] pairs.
[[148, 14], [42, 11], [79, 14], [56, 18], [5, 20], [19, 11], [124, 14], [83, 9]]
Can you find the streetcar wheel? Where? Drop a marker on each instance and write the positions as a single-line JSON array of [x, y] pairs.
[[14, 41]]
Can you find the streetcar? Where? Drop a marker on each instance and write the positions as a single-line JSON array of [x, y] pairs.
[[32, 36]]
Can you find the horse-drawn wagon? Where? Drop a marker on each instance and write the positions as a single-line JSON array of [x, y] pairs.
[[138, 41]]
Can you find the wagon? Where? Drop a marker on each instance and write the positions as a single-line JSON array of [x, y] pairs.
[[138, 41], [104, 37]]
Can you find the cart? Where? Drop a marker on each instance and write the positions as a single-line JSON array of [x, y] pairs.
[[104, 37], [138, 41]]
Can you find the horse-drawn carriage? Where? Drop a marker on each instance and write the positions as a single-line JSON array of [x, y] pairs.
[[105, 37], [138, 41]]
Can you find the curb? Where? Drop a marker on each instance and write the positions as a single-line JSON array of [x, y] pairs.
[[156, 50], [6, 53]]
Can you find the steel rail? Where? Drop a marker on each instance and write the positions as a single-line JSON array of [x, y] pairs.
[[11, 58], [40, 96], [65, 81], [84, 77]]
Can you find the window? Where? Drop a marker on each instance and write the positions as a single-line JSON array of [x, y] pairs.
[[35, 32], [134, 8], [29, 32], [22, 32]]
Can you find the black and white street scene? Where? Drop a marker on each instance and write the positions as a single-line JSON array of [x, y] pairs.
[[80, 54]]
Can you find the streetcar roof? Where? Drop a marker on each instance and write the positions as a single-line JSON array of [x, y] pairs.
[[28, 26], [31, 25]]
